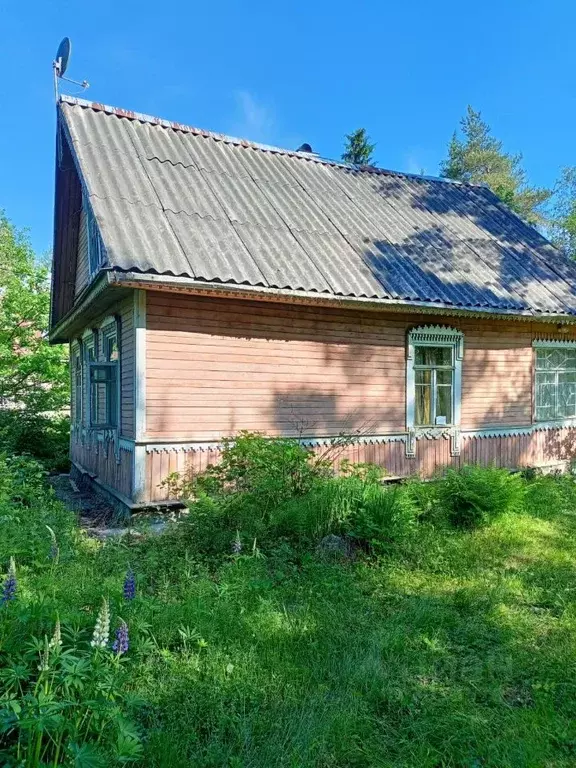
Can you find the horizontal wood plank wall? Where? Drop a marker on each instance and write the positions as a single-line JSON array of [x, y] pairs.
[[127, 367], [215, 366], [536, 449], [82, 266], [102, 463]]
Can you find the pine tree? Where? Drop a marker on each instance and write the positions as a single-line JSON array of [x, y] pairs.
[[479, 158], [358, 149], [561, 225]]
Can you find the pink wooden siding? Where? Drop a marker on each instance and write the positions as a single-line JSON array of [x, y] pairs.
[[99, 460], [215, 366], [127, 367], [547, 447]]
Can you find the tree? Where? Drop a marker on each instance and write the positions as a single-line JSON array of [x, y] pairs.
[[479, 158], [561, 225], [34, 382], [358, 149]]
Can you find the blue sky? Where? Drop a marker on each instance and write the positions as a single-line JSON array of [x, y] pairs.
[[291, 72]]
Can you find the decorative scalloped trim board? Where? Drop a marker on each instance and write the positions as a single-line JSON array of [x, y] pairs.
[[551, 343], [400, 437]]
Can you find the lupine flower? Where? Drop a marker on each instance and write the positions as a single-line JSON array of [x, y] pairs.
[[120, 645], [130, 585], [10, 584], [54, 548], [237, 544], [56, 640], [101, 634]]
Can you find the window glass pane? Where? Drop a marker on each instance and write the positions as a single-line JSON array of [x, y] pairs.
[[103, 395], [566, 395], [423, 376], [433, 356], [444, 377], [545, 396], [112, 349], [423, 409], [556, 359], [444, 404]]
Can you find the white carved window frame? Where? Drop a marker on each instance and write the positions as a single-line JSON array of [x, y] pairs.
[[94, 343], [537, 344], [434, 336]]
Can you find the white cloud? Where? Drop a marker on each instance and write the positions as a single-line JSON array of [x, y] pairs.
[[253, 120]]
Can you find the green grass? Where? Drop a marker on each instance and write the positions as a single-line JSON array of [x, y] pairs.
[[457, 648]]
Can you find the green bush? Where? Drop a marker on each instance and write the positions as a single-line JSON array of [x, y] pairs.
[[473, 496], [44, 438], [27, 506], [272, 469]]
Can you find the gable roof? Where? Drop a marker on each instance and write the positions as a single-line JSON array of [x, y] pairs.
[[175, 200]]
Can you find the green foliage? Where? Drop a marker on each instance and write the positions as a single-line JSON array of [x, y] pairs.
[[358, 149], [46, 438], [27, 506], [561, 219], [64, 704], [474, 496], [34, 382], [479, 158], [373, 661]]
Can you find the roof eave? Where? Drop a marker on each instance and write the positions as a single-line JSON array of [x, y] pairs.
[[262, 293]]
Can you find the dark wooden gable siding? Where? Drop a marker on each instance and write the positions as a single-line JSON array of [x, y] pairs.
[[67, 211]]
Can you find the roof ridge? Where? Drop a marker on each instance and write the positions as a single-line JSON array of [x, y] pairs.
[[129, 114]]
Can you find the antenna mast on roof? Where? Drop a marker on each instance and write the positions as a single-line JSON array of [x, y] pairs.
[[60, 65]]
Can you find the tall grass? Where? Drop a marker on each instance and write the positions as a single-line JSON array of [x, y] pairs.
[[445, 646]]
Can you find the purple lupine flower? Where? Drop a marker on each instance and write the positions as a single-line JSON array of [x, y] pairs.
[[130, 585], [237, 544], [120, 645], [10, 584]]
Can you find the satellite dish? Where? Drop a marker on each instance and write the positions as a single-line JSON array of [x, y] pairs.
[[60, 65], [62, 56]]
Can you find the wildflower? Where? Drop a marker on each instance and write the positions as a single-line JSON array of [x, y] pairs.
[[54, 548], [10, 584], [130, 585], [120, 645], [237, 544], [101, 633], [54, 643], [56, 640]]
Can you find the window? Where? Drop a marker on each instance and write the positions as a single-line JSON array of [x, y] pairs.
[[434, 384], [103, 395], [77, 387], [95, 247], [102, 380], [433, 379], [555, 382]]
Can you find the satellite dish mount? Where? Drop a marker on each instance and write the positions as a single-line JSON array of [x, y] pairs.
[[60, 65]]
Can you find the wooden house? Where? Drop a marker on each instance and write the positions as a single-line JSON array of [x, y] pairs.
[[207, 285]]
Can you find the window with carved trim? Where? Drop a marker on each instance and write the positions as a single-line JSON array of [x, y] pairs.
[[77, 386], [434, 377], [555, 382], [434, 385], [104, 380]]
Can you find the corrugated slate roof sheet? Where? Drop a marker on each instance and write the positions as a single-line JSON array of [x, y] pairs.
[[175, 200]]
